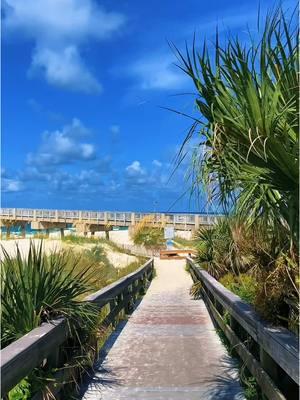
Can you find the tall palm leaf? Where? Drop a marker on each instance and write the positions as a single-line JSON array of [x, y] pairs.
[[248, 100]]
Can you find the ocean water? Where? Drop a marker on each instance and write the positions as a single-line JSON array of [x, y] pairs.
[[16, 230]]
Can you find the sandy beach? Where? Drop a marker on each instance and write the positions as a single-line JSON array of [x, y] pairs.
[[118, 260]]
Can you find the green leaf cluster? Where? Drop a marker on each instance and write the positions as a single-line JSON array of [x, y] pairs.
[[247, 132]]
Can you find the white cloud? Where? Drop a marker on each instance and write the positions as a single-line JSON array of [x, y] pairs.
[[157, 163], [135, 169], [63, 146], [64, 68], [59, 28], [158, 73], [60, 181], [11, 185]]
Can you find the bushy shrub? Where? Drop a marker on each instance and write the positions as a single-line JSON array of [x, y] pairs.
[[243, 285], [195, 290], [278, 297], [149, 232], [152, 237]]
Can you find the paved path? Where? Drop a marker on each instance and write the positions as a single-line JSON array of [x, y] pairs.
[[168, 350]]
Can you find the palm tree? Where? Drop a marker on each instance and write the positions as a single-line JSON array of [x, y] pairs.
[[247, 98]]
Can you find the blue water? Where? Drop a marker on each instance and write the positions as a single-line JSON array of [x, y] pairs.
[[16, 230]]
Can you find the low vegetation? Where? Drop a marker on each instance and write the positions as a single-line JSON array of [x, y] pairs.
[[180, 242], [150, 237], [252, 264], [40, 287], [149, 233], [83, 240]]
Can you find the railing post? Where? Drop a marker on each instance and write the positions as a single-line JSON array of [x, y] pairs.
[[23, 230], [14, 213], [268, 364], [234, 325], [197, 222], [56, 215], [105, 217], [132, 219], [54, 358], [34, 215], [80, 215]]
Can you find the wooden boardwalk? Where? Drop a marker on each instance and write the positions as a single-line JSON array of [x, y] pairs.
[[167, 350]]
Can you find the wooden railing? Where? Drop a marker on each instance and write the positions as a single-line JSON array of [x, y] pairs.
[[270, 353], [45, 342], [107, 217]]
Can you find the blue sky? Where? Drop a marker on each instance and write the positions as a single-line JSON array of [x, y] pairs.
[[83, 86]]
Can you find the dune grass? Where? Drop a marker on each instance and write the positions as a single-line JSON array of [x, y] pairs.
[[39, 287], [185, 243]]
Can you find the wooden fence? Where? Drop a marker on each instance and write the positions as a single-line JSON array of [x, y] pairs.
[[269, 353], [45, 343]]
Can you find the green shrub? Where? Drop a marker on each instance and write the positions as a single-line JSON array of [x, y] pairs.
[[214, 244], [22, 391], [243, 285], [195, 290], [185, 243], [151, 237], [252, 390], [39, 288]]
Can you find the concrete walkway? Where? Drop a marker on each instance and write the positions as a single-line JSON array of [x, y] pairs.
[[167, 350]]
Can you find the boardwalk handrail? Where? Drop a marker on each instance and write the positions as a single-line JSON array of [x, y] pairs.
[[23, 355], [268, 351], [107, 217]]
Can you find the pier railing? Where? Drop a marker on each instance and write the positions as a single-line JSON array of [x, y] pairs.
[[269, 353], [44, 345], [107, 217]]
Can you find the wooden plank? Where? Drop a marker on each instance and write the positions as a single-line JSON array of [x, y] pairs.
[[20, 357], [170, 257], [176, 251], [281, 344], [176, 254]]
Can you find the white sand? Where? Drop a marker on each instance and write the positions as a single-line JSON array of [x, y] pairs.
[[121, 237], [23, 244], [118, 260]]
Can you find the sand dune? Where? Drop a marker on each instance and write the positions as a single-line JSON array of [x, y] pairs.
[[118, 260]]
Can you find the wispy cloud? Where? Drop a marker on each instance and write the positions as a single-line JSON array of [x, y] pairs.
[[10, 184], [35, 106], [64, 68], [63, 146], [157, 72], [58, 29]]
